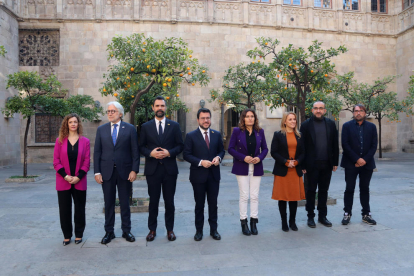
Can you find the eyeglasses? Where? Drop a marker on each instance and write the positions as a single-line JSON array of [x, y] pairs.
[[204, 119], [111, 111], [319, 108], [359, 111]]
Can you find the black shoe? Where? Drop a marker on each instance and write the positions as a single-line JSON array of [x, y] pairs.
[[108, 237], [66, 242], [292, 225], [253, 228], [325, 221], [311, 223], [128, 236], [346, 219], [78, 241], [245, 227], [215, 235], [198, 236], [368, 219]]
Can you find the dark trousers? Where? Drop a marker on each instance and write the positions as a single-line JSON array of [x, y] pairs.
[[65, 211], [210, 188], [293, 207], [156, 182], [124, 192], [318, 178], [364, 180]]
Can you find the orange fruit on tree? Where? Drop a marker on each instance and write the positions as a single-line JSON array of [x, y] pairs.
[[153, 70], [278, 75], [253, 62], [285, 87], [203, 71], [148, 66], [164, 84], [290, 64], [147, 74], [169, 80], [258, 60], [143, 50], [129, 85], [132, 96], [117, 78], [112, 55], [178, 95], [127, 78], [116, 94], [181, 74], [125, 89], [144, 43], [124, 82], [188, 68], [104, 90], [326, 75], [167, 98], [191, 56], [193, 84], [266, 43], [189, 73]]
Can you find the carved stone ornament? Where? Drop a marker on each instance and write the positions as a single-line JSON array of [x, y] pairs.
[[227, 6], [260, 9], [295, 11], [381, 19], [324, 14], [353, 16], [47, 71], [192, 4], [39, 47]]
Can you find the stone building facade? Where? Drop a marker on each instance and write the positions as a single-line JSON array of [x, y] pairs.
[[219, 32]]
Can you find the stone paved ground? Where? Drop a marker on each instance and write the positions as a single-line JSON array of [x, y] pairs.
[[31, 239]]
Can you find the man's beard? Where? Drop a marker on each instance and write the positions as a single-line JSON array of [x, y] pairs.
[[205, 128], [319, 119], [160, 114]]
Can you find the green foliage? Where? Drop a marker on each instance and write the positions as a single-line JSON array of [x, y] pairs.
[[299, 72], [141, 64], [244, 85], [3, 51], [38, 95]]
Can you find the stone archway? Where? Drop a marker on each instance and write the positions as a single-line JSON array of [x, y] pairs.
[[231, 120]]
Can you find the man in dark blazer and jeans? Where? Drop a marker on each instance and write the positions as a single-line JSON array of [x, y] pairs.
[[204, 150], [322, 155], [160, 142], [359, 144], [116, 164]]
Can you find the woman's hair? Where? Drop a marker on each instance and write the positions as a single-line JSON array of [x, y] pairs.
[[283, 125], [242, 125], [64, 128]]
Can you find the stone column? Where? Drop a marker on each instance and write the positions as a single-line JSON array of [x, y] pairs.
[[278, 14], [174, 4], [245, 5], [310, 14], [98, 9], [137, 8], [210, 11], [59, 9]]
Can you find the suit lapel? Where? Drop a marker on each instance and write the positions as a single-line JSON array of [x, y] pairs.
[[167, 129], [121, 132], [108, 134], [258, 142], [297, 146], [80, 149]]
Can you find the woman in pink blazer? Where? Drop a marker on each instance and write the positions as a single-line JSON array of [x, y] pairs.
[[71, 160]]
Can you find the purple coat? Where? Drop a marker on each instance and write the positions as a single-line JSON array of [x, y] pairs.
[[238, 149]]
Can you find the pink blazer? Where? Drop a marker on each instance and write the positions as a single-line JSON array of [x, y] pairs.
[[61, 160]]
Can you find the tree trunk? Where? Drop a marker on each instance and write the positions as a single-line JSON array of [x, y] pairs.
[[26, 132], [379, 139]]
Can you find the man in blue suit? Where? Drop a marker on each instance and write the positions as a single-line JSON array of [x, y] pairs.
[[160, 142], [116, 164], [359, 144], [204, 150]]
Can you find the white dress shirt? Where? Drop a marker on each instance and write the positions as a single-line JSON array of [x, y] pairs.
[[157, 123]]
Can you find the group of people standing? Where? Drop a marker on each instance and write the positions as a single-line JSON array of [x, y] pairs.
[[312, 152]]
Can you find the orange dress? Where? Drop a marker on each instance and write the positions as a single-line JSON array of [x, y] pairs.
[[289, 187]]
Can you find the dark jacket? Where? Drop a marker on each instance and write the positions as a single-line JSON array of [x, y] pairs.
[[307, 130], [171, 141], [279, 151], [351, 144], [238, 149], [195, 150], [125, 153]]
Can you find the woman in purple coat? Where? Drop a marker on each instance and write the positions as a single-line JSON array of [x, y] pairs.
[[248, 148]]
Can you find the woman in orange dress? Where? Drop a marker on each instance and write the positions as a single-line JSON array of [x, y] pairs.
[[289, 153]]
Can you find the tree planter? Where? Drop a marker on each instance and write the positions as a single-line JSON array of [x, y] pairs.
[[30, 178], [139, 205], [330, 201]]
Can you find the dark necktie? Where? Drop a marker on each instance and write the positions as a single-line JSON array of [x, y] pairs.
[[160, 130], [114, 134], [206, 138]]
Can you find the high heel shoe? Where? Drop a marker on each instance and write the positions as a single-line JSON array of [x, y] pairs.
[[78, 241], [66, 242]]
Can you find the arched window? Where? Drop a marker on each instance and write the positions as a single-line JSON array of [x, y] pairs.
[[352, 5], [379, 6]]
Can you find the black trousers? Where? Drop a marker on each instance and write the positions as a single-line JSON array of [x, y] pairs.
[[318, 178], [124, 192], [293, 207], [210, 188], [157, 182], [65, 211], [364, 180]]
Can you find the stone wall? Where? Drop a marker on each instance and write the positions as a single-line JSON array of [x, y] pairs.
[[9, 127]]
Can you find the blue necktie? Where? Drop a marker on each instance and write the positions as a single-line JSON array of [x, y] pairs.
[[160, 130], [114, 134]]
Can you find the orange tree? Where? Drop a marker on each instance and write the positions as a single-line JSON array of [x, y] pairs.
[[378, 101], [243, 85], [299, 74], [2, 51], [141, 64], [45, 96]]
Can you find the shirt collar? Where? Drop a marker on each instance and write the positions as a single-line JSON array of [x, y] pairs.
[[157, 121], [118, 123], [202, 130], [363, 122]]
